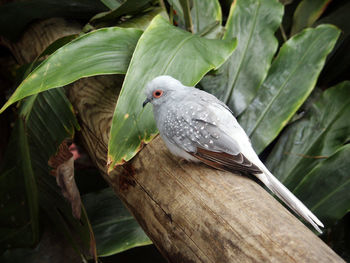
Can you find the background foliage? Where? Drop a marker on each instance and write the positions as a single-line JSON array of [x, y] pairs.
[[281, 66]]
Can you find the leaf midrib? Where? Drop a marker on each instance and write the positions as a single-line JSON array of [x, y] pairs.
[[257, 123], [114, 221], [330, 195], [323, 131], [172, 57], [244, 54]]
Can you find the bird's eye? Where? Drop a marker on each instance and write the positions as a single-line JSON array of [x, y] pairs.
[[157, 93]]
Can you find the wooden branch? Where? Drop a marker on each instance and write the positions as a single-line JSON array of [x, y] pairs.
[[191, 212], [38, 36]]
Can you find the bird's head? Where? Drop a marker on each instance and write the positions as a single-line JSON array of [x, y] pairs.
[[159, 89]]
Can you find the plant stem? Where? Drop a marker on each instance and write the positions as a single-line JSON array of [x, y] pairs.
[[283, 33], [162, 5], [171, 15], [187, 15]]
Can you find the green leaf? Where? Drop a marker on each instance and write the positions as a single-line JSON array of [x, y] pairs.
[[167, 51], [15, 16], [129, 7], [338, 62], [29, 180], [112, 4], [185, 5], [290, 80], [143, 21], [331, 179], [179, 12], [104, 51], [253, 23], [49, 120], [19, 222], [114, 227], [307, 12], [324, 128], [206, 16]]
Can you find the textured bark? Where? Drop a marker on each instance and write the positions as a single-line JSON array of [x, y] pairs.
[[38, 36], [191, 212]]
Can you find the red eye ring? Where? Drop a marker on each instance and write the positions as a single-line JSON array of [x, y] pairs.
[[157, 93]]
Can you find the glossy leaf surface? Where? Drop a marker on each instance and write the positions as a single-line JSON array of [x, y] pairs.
[[205, 15], [142, 22], [324, 128], [112, 4], [162, 50], [289, 82], [114, 227], [104, 51], [129, 7], [330, 202], [307, 12], [253, 23]]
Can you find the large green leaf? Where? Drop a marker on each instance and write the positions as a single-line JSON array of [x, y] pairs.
[[29, 179], [205, 15], [49, 120], [16, 15], [112, 4], [114, 227], [162, 49], [307, 12], [324, 128], [253, 23], [129, 7], [104, 51], [290, 80], [45, 121], [326, 189], [19, 222], [338, 62], [143, 21]]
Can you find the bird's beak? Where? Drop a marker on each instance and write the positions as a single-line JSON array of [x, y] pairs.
[[145, 102]]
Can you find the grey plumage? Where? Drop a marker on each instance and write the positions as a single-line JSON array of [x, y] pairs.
[[196, 126]]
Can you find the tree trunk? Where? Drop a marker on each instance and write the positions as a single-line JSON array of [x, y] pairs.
[[191, 212]]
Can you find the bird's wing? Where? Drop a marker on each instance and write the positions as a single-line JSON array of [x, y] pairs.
[[201, 137], [224, 161]]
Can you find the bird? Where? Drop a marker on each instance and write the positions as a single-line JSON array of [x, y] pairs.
[[198, 127]]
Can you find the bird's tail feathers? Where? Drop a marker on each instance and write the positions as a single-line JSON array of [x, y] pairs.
[[289, 199]]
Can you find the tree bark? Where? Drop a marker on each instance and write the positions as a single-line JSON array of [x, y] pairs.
[[38, 36], [191, 212]]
